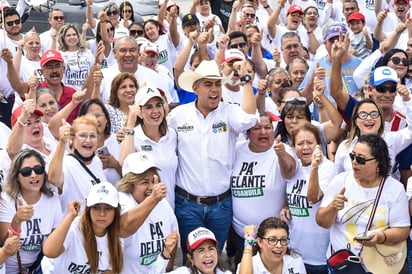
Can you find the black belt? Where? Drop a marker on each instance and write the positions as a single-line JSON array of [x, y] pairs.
[[206, 200]]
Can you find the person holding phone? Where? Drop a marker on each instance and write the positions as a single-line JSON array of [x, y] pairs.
[[347, 202]]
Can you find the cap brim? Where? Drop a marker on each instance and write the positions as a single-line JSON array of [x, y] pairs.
[[199, 242], [152, 51], [235, 58], [186, 79], [51, 59]]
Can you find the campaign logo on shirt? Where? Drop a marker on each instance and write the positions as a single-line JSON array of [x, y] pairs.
[[163, 56], [83, 268], [185, 128], [246, 184], [150, 250], [298, 204], [34, 237], [219, 127], [146, 148]]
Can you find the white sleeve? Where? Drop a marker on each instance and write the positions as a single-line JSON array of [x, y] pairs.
[[365, 67]]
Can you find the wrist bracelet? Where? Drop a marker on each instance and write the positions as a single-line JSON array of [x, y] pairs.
[[384, 239], [129, 133], [21, 123], [15, 232], [249, 241], [164, 257]]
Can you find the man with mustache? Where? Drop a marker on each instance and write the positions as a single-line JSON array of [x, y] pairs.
[[52, 69]]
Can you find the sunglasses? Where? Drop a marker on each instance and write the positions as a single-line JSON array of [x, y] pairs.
[[57, 18], [136, 31], [111, 29], [26, 171], [359, 159], [383, 89], [397, 61], [250, 15], [15, 22], [127, 11], [364, 115], [240, 45], [110, 13], [296, 100]]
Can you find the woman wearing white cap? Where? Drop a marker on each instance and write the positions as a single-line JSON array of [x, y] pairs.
[[147, 219], [147, 130], [202, 254], [89, 243]]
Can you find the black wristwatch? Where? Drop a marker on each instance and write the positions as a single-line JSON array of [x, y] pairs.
[[246, 79]]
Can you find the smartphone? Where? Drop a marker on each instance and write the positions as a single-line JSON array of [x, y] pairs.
[[103, 151], [363, 238]]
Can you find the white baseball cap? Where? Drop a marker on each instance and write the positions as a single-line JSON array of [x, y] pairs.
[[138, 162], [384, 74], [103, 193], [146, 93], [198, 236]]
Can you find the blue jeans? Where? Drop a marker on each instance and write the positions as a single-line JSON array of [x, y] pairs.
[[216, 217], [316, 269], [409, 258]]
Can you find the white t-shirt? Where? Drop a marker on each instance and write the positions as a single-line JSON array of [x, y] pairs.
[[108, 61], [74, 258], [77, 182], [141, 249], [114, 149], [47, 215], [232, 97], [304, 233], [291, 264], [164, 153], [78, 64], [5, 86], [392, 209], [206, 146], [258, 188], [167, 51], [27, 68]]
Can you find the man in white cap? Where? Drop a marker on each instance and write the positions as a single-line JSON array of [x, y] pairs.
[[232, 91], [207, 130]]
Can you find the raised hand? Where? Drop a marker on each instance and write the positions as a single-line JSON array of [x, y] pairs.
[[24, 212]]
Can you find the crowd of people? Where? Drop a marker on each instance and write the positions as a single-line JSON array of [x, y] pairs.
[[276, 131]]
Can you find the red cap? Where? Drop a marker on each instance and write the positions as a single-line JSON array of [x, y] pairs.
[[233, 55], [17, 112], [149, 47], [396, 1], [356, 16], [50, 55], [295, 8]]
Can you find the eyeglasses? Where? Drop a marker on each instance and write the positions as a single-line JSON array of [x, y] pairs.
[[274, 241], [240, 45], [359, 159], [136, 31], [127, 11], [250, 15], [26, 171], [111, 29], [383, 89], [84, 136], [57, 18], [397, 61], [110, 13], [283, 83], [15, 22], [364, 115]]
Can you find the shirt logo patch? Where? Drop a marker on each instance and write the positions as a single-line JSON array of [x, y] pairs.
[[185, 128], [219, 127]]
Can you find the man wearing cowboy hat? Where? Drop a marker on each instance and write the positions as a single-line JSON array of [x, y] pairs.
[[207, 130]]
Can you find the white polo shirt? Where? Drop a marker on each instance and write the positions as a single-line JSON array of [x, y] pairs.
[[206, 146]]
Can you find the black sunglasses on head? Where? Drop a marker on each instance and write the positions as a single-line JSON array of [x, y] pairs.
[[397, 61], [26, 171], [383, 89]]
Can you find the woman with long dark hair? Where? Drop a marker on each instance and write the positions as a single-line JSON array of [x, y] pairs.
[[91, 241]]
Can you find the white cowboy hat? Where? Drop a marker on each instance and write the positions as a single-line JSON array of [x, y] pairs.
[[384, 259], [206, 69]]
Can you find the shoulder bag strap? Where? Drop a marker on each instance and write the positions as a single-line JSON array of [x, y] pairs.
[[97, 180], [375, 204]]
